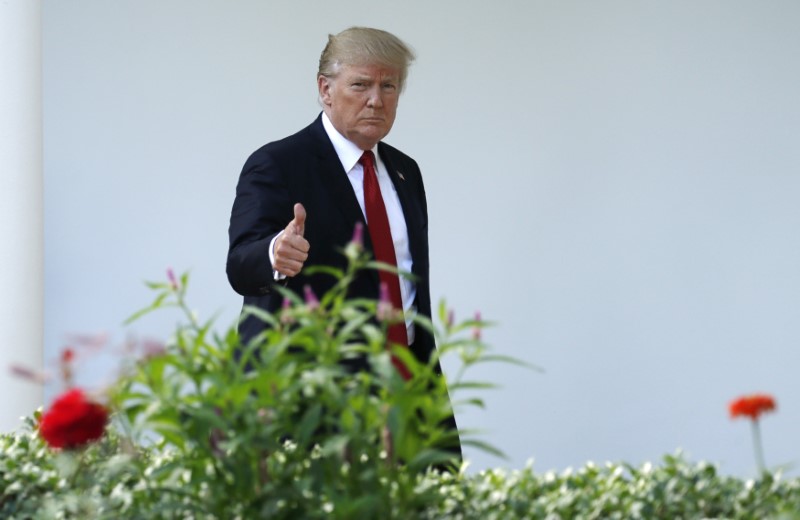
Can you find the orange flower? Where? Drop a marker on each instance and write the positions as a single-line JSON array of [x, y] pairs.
[[751, 406]]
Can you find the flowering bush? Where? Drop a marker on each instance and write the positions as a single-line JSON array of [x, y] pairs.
[[278, 427], [205, 427], [124, 487]]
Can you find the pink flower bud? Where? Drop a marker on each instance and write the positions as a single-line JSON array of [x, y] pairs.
[[451, 318], [67, 355], [311, 299], [173, 282], [384, 295], [384, 311], [358, 235], [152, 348], [89, 341], [31, 375], [286, 315], [476, 332]]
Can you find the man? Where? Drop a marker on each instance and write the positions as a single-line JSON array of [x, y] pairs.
[[299, 199]]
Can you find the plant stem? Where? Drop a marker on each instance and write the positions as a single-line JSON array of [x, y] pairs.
[[758, 448]]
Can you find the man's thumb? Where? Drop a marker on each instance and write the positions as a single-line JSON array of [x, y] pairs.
[[299, 219]]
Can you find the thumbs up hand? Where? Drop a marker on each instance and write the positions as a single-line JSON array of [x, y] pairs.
[[291, 248], [299, 221]]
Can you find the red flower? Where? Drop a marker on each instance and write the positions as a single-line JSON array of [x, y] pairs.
[[752, 406], [73, 421]]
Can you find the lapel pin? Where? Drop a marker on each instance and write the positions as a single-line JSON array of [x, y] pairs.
[[402, 178]]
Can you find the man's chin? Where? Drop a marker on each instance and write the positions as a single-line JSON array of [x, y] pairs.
[[368, 138], [376, 132]]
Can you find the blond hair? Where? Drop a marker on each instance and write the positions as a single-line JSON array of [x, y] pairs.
[[363, 46]]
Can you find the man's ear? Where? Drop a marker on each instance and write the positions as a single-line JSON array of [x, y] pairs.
[[324, 85]]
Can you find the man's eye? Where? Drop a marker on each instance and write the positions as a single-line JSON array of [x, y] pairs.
[[389, 86]]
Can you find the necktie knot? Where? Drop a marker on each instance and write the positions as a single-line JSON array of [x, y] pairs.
[[367, 159]]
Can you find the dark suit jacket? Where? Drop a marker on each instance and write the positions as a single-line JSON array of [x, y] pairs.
[[305, 168]]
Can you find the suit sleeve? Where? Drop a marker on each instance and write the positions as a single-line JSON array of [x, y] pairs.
[[262, 208]]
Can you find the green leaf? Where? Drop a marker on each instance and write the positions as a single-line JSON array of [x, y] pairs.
[[484, 446], [382, 266], [157, 304], [334, 445], [471, 385], [309, 424], [256, 312], [431, 457], [476, 402], [508, 359], [322, 269]]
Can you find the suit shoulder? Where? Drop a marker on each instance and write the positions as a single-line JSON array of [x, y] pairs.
[[288, 147], [394, 152], [396, 156]]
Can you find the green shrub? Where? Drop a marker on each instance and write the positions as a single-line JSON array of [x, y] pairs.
[[675, 489], [121, 488], [208, 427], [280, 428]]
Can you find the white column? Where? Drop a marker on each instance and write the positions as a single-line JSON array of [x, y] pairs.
[[21, 206]]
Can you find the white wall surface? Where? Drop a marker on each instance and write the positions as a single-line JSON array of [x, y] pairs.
[[21, 207], [615, 183]]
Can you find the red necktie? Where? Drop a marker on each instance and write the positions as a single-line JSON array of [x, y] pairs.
[[383, 246]]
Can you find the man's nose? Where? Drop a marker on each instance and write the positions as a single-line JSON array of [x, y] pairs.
[[375, 98]]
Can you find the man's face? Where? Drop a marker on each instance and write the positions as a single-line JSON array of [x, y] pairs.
[[361, 102]]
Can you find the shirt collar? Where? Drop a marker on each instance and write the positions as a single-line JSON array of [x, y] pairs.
[[347, 151]]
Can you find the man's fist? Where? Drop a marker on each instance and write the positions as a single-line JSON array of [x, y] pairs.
[[291, 249]]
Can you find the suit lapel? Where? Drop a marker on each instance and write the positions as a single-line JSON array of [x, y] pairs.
[[333, 176], [403, 186], [334, 179]]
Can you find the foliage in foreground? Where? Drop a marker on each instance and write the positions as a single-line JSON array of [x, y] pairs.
[[311, 415], [207, 428], [33, 486]]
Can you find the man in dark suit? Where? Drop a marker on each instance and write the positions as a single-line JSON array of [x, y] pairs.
[[299, 199]]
